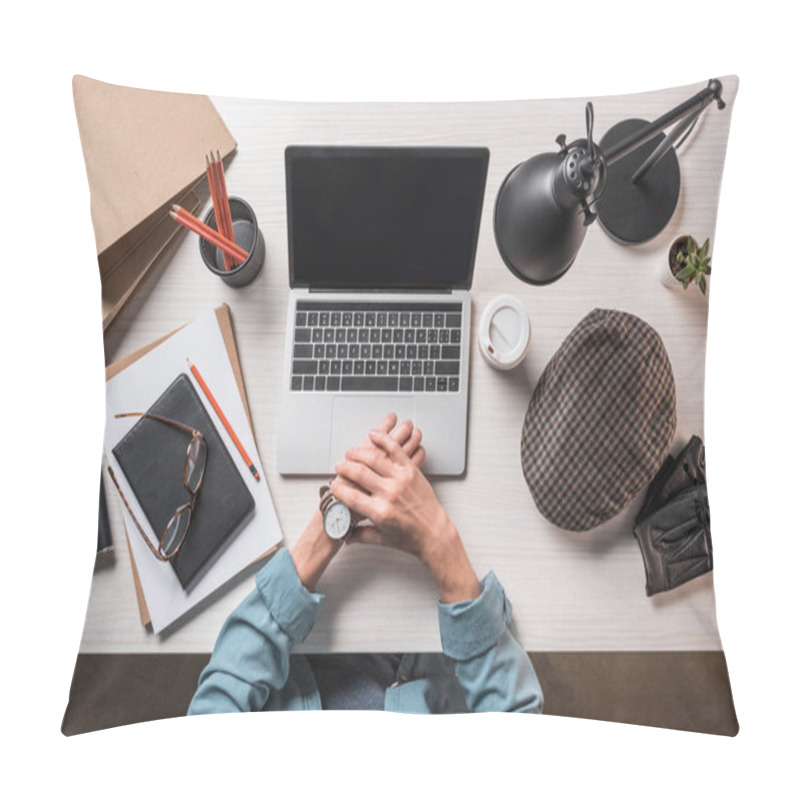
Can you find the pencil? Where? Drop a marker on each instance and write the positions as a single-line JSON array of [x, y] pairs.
[[224, 201], [223, 419], [222, 190], [216, 201], [183, 217]]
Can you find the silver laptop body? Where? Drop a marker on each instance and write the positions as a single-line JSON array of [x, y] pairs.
[[382, 246]]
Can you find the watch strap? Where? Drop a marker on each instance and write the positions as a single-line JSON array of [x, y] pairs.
[[325, 497]]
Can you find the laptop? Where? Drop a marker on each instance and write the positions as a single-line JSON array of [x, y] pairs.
[[382, 244]]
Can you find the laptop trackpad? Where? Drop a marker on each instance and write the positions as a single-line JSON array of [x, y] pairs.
[[354, 417]]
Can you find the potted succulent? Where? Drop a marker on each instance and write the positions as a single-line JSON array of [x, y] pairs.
[[687, 263]]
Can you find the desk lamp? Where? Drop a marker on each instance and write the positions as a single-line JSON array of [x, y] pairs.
[[630, 181]]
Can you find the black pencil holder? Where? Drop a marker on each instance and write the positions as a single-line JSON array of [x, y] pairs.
[[247, 236]]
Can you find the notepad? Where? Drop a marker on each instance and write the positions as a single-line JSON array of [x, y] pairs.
[[135, 385], [152, 456]]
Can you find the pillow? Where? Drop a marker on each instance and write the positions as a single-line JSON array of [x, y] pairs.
[[588, 635]]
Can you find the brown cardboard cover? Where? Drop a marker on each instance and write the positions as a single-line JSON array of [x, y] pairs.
[[143, 151], [124, 279]]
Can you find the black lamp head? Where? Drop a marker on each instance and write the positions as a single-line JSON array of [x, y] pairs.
[[542, 209]]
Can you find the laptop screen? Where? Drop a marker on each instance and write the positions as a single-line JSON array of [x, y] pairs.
[[384, 217]]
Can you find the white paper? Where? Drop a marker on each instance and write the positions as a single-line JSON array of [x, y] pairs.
[[136, 389]]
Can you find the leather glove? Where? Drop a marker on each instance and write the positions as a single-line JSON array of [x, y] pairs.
[[675, 541], [673, 526], [686, 469]]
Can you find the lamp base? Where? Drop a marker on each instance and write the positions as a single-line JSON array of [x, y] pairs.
[[633, 213]]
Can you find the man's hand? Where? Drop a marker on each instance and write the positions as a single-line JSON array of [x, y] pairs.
[[314, 550], [382, 483], [405, 434]]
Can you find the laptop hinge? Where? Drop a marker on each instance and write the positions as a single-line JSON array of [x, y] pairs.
[[381, 291]]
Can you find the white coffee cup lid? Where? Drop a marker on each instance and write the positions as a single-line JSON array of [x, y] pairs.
[[504, 333]]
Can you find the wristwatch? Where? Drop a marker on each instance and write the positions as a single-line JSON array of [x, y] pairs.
[[337, 519]]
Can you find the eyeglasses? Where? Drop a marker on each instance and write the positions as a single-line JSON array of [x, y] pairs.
[[194, 469]]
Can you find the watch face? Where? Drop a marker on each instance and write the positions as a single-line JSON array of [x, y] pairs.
[[337, 520]]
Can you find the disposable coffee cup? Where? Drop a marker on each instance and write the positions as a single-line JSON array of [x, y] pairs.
[[247, 236], [504, 332]]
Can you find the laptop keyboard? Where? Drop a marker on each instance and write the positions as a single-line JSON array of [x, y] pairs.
[[376, 347]]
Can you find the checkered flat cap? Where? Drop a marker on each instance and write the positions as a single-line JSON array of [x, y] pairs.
[[600, 420]]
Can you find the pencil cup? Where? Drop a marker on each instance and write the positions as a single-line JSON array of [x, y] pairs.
[[247, 236]]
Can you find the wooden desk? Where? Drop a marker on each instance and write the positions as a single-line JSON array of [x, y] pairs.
[[570, 592]]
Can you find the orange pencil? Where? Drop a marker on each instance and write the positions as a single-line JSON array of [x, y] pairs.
[[182, 216], [225, 222], [216, 201], [223, 419], [224, 201]]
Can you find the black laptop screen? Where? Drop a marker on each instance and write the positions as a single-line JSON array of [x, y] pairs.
[[384, 218]]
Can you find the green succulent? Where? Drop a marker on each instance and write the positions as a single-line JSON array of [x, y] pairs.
[[695, 264]]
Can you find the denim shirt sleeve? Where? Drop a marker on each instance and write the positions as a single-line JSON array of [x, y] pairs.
[[251, 654], [494, 671]]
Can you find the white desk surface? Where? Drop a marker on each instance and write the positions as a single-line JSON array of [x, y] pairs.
[[570, 591]]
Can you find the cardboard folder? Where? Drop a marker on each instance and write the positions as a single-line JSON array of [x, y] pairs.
[[143, 151], [226, 328]]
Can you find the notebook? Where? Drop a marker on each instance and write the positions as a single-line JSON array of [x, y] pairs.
[[152, 456], [134, 383]]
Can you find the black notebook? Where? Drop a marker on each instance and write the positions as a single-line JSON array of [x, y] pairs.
[[104, 543], [152, 456]]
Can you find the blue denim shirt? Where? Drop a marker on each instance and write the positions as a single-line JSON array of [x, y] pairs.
[[252, 668]]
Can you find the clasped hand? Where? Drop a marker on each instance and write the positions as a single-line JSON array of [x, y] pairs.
[[381, 482]]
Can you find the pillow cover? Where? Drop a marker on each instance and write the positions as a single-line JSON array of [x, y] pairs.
[[588, 638]]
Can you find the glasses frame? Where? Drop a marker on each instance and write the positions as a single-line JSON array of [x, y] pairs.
[[196, 436]]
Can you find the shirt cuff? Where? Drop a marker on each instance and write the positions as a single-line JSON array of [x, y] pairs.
[[470, 627], [292, 606]]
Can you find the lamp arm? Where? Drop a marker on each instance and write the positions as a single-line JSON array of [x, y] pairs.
[[666, 144], [693, 105]]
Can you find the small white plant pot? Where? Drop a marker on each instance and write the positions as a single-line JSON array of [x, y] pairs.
[[665, 273]]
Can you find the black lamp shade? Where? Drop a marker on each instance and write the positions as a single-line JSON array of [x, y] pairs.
[[538, 235]]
